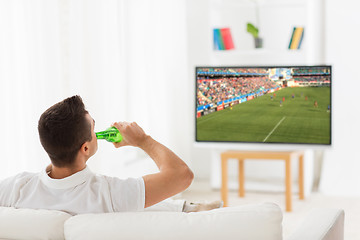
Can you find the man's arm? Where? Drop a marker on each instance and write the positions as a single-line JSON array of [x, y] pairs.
[[174, 176]]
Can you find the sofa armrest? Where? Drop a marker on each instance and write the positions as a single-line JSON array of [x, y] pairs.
[[321, 224]]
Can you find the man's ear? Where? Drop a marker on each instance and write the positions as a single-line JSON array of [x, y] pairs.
[[85, 149]]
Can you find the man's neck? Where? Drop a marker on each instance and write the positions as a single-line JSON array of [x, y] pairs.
[[59, 173]]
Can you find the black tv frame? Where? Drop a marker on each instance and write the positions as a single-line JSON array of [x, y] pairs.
[[266, 143]]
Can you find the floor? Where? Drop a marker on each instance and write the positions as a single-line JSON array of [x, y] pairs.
[[201, 191]]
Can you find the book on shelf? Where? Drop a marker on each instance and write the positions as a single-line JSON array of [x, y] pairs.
[[223, 39], [296, 38]]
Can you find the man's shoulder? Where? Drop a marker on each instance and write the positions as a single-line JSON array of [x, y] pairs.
[[25, 175], [115, 178], [115, 181], [20, 177], [10, 187]]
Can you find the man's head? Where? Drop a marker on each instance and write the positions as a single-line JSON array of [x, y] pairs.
[[66, 130]]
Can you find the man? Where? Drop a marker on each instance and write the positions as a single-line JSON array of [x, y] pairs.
[[67, 134]]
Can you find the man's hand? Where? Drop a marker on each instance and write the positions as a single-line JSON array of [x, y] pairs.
[[174, 176], [133, 134]]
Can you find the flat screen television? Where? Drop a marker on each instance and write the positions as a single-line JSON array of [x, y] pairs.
[[264, 104]]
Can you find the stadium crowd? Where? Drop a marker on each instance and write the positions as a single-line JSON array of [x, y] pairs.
[[233, 70], [312, 78], [215, 90], [312, 71], [241, 81], [319, 76]]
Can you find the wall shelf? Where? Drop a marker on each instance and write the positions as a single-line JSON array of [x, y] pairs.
[[276, 20]]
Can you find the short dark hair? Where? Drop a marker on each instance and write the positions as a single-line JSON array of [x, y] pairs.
[[63, 129]]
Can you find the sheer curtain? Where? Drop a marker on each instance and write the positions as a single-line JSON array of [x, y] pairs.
[[127, 59]]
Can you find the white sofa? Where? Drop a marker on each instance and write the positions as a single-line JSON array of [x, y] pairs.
[[250, 222]]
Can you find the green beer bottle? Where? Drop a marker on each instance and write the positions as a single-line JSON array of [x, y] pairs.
[[111, 135]]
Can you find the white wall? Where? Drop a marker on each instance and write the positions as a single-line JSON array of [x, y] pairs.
[[127, 59], [45, 58], [336, 44], [197, 56], [276, 21], [342, 163]]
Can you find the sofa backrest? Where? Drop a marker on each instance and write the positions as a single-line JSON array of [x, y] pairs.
[[31, 224], [256, 222]]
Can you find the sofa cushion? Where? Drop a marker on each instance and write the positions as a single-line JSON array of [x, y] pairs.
[[31, 224], [257, 221]]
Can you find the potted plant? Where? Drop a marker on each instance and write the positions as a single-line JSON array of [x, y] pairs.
[[255, 32]]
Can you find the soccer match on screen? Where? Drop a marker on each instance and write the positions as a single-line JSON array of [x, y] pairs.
[[264, 104]]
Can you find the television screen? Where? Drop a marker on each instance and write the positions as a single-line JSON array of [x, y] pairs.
[[279, 104]]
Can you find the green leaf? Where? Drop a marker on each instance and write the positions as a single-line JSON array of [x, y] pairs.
[[252, 30]]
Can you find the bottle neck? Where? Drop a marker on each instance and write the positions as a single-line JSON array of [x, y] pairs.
[[101, 135], [111, 135]]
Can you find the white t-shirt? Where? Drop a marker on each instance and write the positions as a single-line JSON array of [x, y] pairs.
[[82, 192]]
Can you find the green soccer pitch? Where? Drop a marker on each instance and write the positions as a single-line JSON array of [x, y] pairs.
[[264, 120]]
